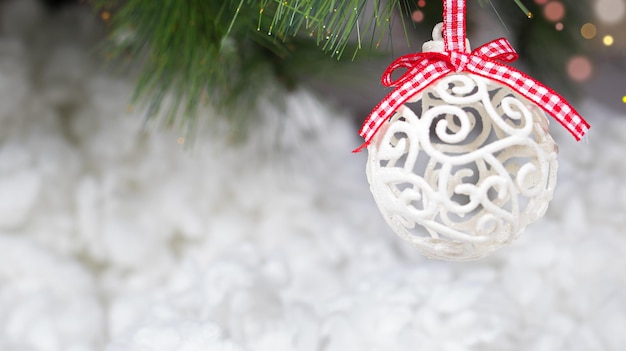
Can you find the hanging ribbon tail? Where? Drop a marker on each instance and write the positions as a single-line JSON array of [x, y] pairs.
[[482, 63], [423, 74], [549, 100], [385, 109]]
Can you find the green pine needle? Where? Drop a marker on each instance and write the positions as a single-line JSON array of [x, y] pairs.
[[223, 53]]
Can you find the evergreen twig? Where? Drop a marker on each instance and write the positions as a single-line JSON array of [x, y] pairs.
[[224, 52]]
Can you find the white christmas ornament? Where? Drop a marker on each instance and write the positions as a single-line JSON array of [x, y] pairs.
[[474, 169], [460, 161]]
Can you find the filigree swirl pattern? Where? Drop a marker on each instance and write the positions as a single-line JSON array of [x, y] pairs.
[[466, 170]]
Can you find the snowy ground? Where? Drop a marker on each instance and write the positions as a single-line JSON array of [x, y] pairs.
[[115, 238]]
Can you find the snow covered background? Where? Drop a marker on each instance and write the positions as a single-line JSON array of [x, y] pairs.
[[114, 237]]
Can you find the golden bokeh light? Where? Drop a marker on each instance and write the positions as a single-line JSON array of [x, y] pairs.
[[588, 31]]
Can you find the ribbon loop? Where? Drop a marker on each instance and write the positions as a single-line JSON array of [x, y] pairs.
[[499, 49], [407, 61]]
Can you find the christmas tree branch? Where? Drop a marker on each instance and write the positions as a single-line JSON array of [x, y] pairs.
[[224, 52]]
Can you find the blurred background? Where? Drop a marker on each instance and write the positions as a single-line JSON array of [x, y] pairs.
[[225, 211]]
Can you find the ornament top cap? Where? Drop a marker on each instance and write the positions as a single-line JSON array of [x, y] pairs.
[[437, 44]]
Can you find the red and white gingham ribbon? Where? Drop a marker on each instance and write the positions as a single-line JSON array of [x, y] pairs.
[[425, 68]]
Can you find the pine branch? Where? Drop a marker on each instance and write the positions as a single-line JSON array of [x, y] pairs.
[[225, 53], [196, 50]]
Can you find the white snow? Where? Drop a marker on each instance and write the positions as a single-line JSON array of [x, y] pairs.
[[114, 237]]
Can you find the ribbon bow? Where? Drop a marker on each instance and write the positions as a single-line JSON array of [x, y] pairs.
[[425, 68]]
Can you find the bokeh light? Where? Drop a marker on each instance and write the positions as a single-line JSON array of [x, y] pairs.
[[554, 11], [607, 40], [588, 31], [610, 11], [559, 26], [421, 3], [417, 16], [579, 68], [624, 99]]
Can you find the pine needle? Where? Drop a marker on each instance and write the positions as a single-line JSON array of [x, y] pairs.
[[207, 51], [499, 17]]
